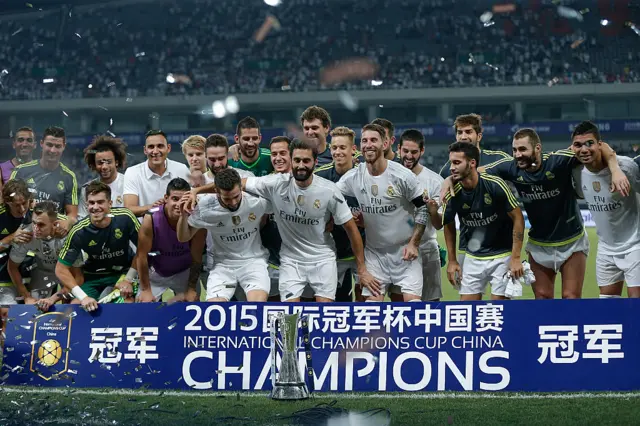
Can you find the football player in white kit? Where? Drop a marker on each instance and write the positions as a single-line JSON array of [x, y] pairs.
[[303, 204], [410, 150], [617, 218], [233, 219], [105, 156], [395, 215]]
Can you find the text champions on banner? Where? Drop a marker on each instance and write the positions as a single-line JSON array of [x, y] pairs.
[[545, 345]]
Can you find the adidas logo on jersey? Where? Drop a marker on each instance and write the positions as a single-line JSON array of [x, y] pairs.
[[220, 225], [520, 179], [92, 243], [286, 199], [5, 231], [30, 180], [465, 206]]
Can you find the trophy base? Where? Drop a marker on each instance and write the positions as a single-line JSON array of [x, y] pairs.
[[290, 391]]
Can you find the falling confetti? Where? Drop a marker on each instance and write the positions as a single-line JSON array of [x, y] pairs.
[[78, 35], [486, 17], [633, 27], [269, 23], [104, 108], [553, 81], [567, 12], [488, 24], [577, 43], [129, 100], [350, 69], [29, 5], [65, 114], [111, 83], [110, 133], [140, 54], [38, 44], [111, 122], [493, 67], [348, 100], [18, 31]]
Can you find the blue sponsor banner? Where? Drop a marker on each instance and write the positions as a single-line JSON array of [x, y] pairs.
[[552, 345], [435, 131]]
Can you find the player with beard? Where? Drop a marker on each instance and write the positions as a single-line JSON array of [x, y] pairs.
[[342, 151], [390, 197], [494, 223], [24, 143], [105, 238], [617, 218], [52, 180], [251, 158], [389, 132], [146, 183], [45, 247], [281, 160], [174, 265], [411, 149], [304, 204], [233, 218], [217, 156], [557, 238], [194, 152], [468, 129], [105, 155]]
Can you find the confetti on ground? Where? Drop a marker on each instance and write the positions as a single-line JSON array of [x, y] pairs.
[[271, 22], [350, 69]]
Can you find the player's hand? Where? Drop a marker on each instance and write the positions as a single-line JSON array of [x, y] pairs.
[[367, 280], [188, 203], [620, 183], [126, 289], [454, 273], [447, 186], [44, 304], [22, 236], [234, 152], [196, 178], [145, 296], [158, 203], [410, 252], [61, 229], [329, 226], [191, 295], [89, 304], [30, 300], [432, 206], [516, 268], [358, 217]]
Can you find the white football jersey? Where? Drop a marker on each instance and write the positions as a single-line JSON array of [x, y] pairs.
[[117, 195], [302, 214], [235, 235], [386, 203], [431, 184], [617, 218]]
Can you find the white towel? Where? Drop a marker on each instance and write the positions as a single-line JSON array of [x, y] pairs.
[[513, 286]]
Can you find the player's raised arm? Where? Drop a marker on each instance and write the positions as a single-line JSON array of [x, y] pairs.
[[185, 231], [145, 242]]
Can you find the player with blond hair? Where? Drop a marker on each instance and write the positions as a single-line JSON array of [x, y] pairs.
[[194, 152]]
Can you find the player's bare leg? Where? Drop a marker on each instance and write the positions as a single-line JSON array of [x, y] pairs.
[[633, 292], [217, 299], [358, 291], [257, 296], [614, 289], [323, 299], [465, 297], [497, 297], [545, 279], [573, 270], [410, 297]]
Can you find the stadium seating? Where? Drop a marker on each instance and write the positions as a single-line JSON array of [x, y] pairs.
[[127, 50]]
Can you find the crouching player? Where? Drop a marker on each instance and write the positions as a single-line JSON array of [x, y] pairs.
[[105, 237], [174, 265], [233, 218], [46, 247]]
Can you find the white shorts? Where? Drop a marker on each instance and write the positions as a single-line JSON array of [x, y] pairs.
[[431, 275], [613, 269], [274, 274], [477, 273], [553, 257], [388, 267], [179, 283], [343, 267], [321, 276], [8, 294], [225, 277]]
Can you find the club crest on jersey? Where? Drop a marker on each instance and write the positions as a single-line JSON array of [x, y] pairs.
[[300, 200], [316, 204], [252, 217], [596, 186], [550, 175], [236, 220], [374, 190], [119, 199], [118, 233], [390, 191], [487, 199], [61, 186]]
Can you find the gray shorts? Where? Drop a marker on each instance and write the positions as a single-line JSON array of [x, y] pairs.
[[553, 257]]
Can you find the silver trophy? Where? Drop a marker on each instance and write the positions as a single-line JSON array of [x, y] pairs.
[[288, 384]]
